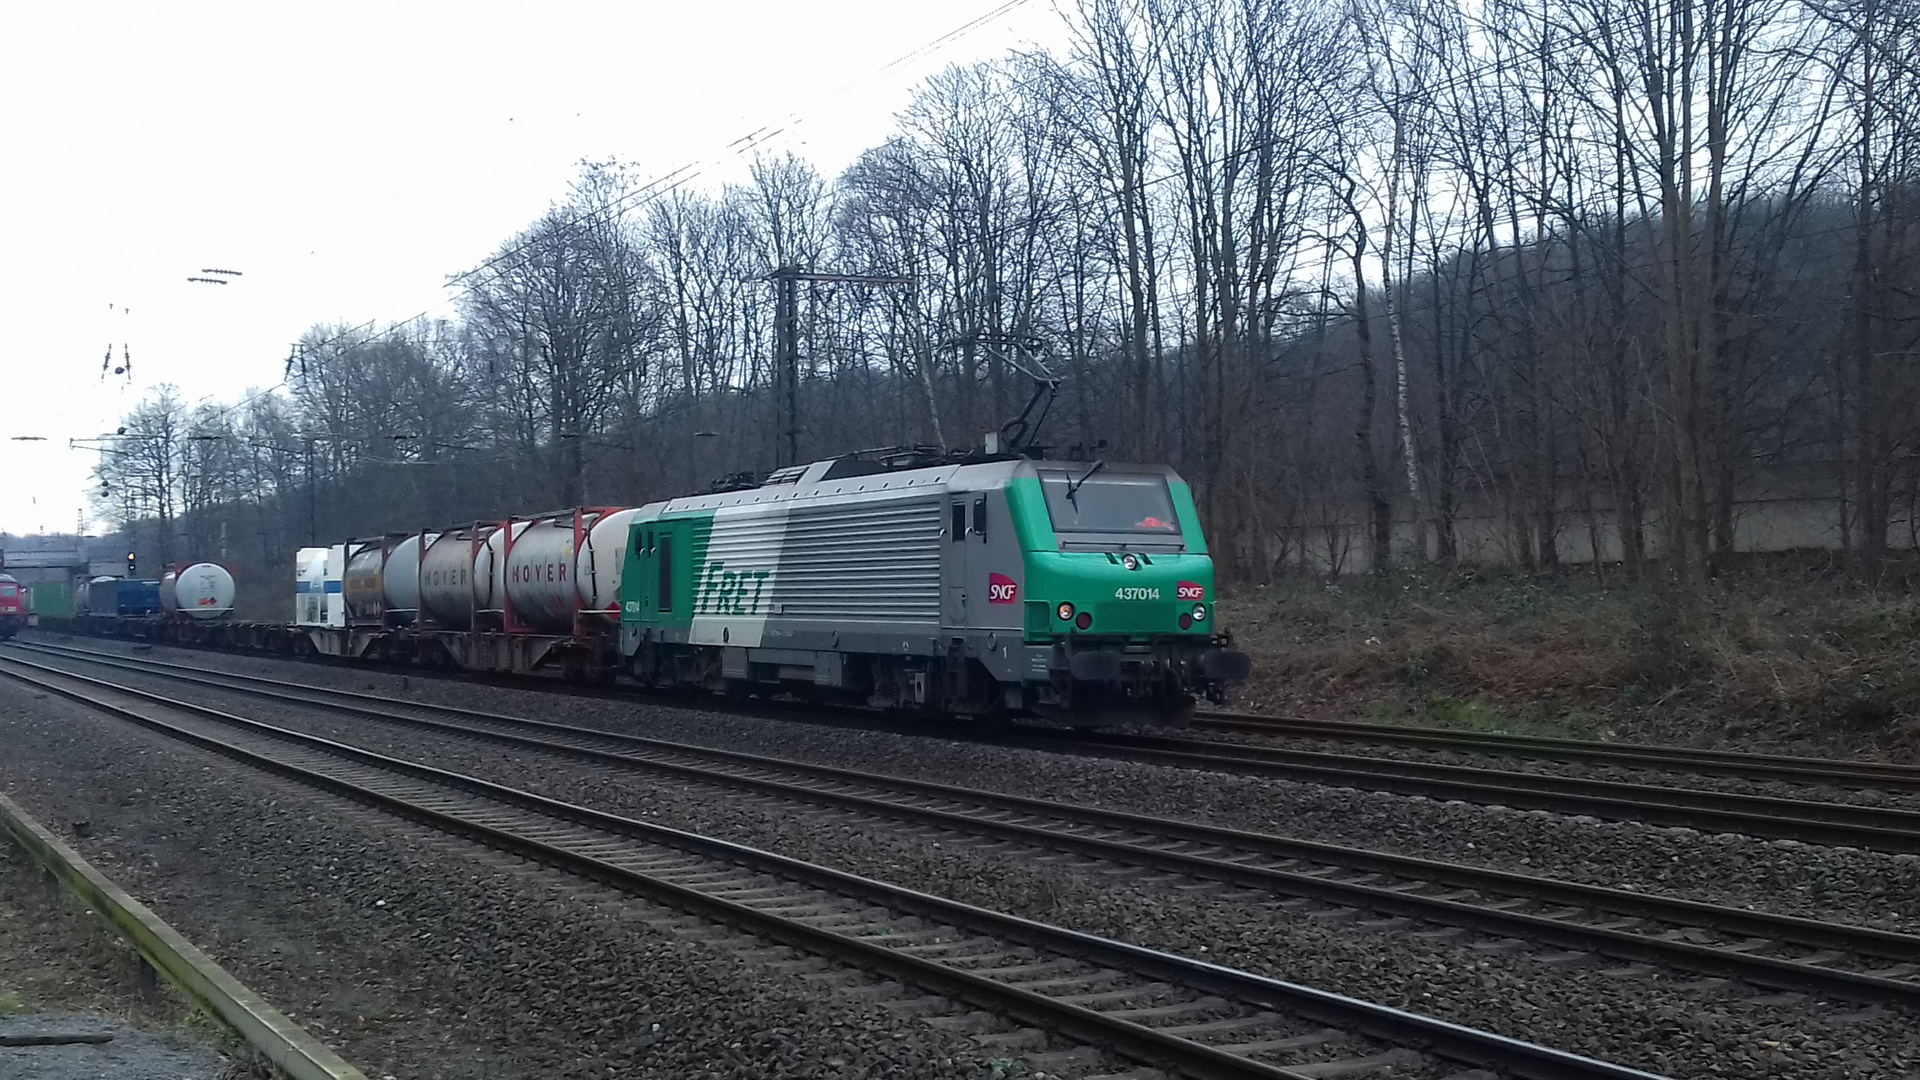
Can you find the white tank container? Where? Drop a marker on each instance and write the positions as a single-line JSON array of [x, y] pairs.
[[168, 602], [400, 580], [490, 570], [366, 598], [446, 578], [541, 574], [203, 590], [597, 568]]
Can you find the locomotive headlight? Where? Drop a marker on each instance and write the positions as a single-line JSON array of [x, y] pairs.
[[1199, 613], [1065, 611], [1130, 561]]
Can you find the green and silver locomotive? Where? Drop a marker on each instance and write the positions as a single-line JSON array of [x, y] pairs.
[[1081, 592]]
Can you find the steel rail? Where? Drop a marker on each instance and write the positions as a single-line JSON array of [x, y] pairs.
[[1837, 772], [1835, 824], [1825, 823], [1224, 864], [1446, 1040]]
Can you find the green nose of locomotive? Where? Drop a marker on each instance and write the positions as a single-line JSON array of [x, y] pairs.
[[1118, 593]]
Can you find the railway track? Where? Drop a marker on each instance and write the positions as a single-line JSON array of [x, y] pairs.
[[1794, 770], [1868, 827], [1808, 821], [1185, 1016], [1889, 829], [1768, 951]]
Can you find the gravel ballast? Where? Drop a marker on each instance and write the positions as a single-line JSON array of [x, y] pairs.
[[1684, 1027], [419, 955], [1785, 876]]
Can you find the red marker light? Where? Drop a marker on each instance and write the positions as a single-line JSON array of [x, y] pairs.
[[1085, 620]]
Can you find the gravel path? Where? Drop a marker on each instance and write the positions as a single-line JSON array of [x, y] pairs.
[[418, 955], [1686, 1028]]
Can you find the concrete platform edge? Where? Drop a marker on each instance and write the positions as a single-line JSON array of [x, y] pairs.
[[264, 1028]]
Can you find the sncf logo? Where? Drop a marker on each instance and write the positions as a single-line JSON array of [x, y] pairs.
[[1001, 589], [1188, 590]]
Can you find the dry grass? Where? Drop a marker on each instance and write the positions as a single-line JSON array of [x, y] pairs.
[[1782, 656]]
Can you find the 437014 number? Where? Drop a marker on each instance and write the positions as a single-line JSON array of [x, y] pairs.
[[1134, 592]]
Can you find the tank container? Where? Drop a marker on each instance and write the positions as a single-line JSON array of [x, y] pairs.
[[446, 578], [541, 575], [362, 584], [490, 569], [401, 578], [601, 559], [203, 591]]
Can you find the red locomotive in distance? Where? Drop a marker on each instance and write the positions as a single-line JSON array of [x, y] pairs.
[[13, 606]]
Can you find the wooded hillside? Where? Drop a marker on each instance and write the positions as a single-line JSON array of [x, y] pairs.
[[1520, 282]]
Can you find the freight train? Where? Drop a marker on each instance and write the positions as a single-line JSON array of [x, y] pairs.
[[1080, 592]]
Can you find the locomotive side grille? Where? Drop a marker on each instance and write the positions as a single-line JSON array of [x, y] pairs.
[[869, 562]]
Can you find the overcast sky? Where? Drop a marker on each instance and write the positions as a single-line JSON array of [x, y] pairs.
[[348, 157]]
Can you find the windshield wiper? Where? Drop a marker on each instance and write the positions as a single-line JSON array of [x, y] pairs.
[[1073, 486]]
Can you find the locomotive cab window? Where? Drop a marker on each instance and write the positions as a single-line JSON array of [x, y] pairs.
[[957, 530], [1088, 499]]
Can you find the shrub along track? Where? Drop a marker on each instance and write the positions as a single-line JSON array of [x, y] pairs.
[[1770, 951], [1193, 1018]]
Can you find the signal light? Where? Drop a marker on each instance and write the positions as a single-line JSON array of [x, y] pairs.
[[1065, 611], [130, 564], [1186, 621], [1085, 620]]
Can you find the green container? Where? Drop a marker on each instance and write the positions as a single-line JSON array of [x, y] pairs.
[[50, 598]]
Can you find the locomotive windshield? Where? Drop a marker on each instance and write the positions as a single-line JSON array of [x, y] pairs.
[[1088, 499]]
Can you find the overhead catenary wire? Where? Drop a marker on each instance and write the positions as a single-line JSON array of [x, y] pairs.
[[653, 190]]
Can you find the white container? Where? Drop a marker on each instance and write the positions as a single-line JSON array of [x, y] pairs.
[[310, 587], [203, 591], [598, 567], [490, 570], [446, 578], [400, 580], [540, 575]]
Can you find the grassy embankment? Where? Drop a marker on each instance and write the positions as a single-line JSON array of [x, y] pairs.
[[1784, 656]]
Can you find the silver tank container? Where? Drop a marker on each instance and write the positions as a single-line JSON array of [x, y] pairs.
[[400, 581], [168, 602], [598, 566], [203, 591], [446, 577], [366, 596], [541, 572]]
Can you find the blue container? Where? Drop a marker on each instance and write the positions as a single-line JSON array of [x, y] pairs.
[[125, 598]]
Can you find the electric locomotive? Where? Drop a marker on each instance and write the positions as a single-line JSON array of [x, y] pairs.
[[13, 606], [1077, 591]]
